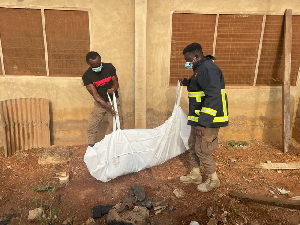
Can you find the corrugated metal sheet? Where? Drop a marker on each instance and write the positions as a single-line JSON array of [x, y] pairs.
[[25, 124]]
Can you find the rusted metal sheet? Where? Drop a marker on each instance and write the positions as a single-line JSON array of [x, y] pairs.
[[24, 123]]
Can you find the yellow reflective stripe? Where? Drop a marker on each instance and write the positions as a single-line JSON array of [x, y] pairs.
[[209, 111], [197, 112], [224, 102], [220, 119], [193, 118], [196, 95]]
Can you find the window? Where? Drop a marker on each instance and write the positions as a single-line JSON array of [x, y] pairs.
[[22, 41], [59, 51], [248, 48]]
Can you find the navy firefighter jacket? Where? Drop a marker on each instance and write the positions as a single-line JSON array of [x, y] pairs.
[[208, 105]]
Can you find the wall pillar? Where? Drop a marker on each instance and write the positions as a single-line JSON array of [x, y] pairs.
[[140, 63]]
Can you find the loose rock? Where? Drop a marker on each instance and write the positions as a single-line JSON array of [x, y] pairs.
[[136, 216], [35, 213], [212, 221], [90, 221], [178, 193]]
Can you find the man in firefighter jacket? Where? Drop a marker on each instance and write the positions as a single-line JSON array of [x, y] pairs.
[[208, 112]]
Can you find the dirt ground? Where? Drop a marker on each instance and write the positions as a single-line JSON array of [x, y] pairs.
[[21, 174]]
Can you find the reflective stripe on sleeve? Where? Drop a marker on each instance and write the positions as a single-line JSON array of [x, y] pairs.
[[209, 111], [220, 119], [193, 118]]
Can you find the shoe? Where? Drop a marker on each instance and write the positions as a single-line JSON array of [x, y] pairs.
[[212, 182], [193, 177]]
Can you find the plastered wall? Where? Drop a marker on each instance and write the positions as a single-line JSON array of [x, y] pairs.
[[255, 112], [112, 35]]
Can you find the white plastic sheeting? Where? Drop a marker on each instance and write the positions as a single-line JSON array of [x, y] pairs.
[[126, 151]]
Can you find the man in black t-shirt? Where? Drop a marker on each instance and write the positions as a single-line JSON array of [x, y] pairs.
[[100, 79]]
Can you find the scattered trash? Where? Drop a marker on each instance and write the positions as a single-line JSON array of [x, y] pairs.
[[194, 223], [159, 204], [171, 208], [45, 188], [138, 192], [100, 210], [281, 166], [178, 193], [61, 174], [297, 198], [209, 212], [5, 220], [282, 191], [90, 221], [63, 179], [59, 199], [279, 171], [274, 201], [233, 160], [136, 197], [35, 213], [69, 221], [212, 221]]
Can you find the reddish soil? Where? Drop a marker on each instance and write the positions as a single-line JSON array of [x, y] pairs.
[[21, 174]]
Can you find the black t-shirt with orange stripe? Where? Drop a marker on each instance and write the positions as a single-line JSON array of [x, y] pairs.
[[101, 80]]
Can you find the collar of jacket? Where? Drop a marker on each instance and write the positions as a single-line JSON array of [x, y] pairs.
[[198, 63]]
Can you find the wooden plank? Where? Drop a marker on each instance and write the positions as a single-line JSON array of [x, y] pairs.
[[47, 121], [7, 130], [286, 82], [24, 123], [281, 166], [3, 139], [38, 123], [34, 123], [20, 127], [11, 127], [14, 125], [30, 123], [285, 203]]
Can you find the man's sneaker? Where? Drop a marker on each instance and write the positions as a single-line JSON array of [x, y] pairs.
[[193, 177], [211, 183]]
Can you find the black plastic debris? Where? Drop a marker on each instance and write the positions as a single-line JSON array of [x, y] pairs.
[[139, 192], [45, 188], [100, 210], [118, 223]]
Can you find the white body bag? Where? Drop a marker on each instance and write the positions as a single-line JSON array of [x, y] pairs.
[[127, 151]]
